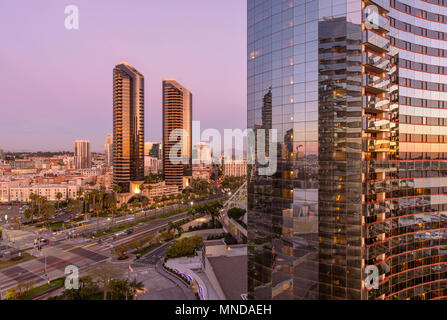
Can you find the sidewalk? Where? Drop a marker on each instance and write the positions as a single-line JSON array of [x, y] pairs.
[[180, 284]]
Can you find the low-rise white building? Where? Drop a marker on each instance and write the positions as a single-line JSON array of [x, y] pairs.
[[49, 191], [159, 189], [234, 168]]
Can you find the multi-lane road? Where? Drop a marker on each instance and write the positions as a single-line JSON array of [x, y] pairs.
[[83, 253]]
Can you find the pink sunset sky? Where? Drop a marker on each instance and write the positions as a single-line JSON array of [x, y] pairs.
[[56, 84]]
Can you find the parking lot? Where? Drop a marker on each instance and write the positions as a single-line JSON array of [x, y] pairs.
[[11, 211]]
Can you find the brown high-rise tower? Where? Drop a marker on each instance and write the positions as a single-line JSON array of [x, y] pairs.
[[128, 125], [177, 114]]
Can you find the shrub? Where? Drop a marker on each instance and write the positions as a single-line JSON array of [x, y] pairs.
[[236, 213], [184, 247], [229, 239]]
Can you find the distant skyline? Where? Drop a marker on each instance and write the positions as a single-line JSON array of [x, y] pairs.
[[56, 84]]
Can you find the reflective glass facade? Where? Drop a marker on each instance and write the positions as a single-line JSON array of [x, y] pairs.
[[177, 115], [128, 125], [359, 108]]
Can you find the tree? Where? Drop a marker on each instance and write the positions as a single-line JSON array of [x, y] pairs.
[[12, 294], [236, 213], [200, 187], [21, 291], [214, 210], [40, 208], [74, 205], [135, 205], [153, 178], [167, 235], [119, 289], [87, 289], [148, 188], [58, 197], [116, 189], [32, 209], [47, 211], [86, 209], [80, 193], [135, 286], [104, 273], [184, 247], [124, 289], [121, 251], [164, 199], [110, 204], [145, 202]]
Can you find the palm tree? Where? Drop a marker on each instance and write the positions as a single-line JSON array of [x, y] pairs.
[[58, 197], [31, 210], [48, 210], [156, 199], [135, 205], [87, 197], [164, 199], [102, 194], [145, 202], [148, 188], [110, 204], [113, 209], [116, 189], [95, 195], [80, 192], [135, 286]]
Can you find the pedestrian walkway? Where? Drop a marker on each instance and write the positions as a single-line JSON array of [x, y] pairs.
[[187, 291]]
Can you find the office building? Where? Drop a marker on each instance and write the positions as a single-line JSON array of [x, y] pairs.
[[177, 115], [108, 151], [128, 125], [82, 155], [153, 149], [358, 103], [151, 165], [201, 155]]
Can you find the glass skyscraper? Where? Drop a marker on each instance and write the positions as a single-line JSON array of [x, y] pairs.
[[177, 115], [355, 92], [128, 125]]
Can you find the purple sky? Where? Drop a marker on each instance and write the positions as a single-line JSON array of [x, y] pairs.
[[56, 84]]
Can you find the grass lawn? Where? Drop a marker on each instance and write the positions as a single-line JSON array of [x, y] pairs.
[[147, 249], [54, 284], [59, 225], [16, 260], [132, 224]]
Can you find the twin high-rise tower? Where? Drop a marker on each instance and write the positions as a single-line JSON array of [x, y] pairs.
[[128, 127], [356, 92], [177, 115]]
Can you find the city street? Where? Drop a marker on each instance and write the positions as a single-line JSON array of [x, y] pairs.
[[159, 284], [80, 252]]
